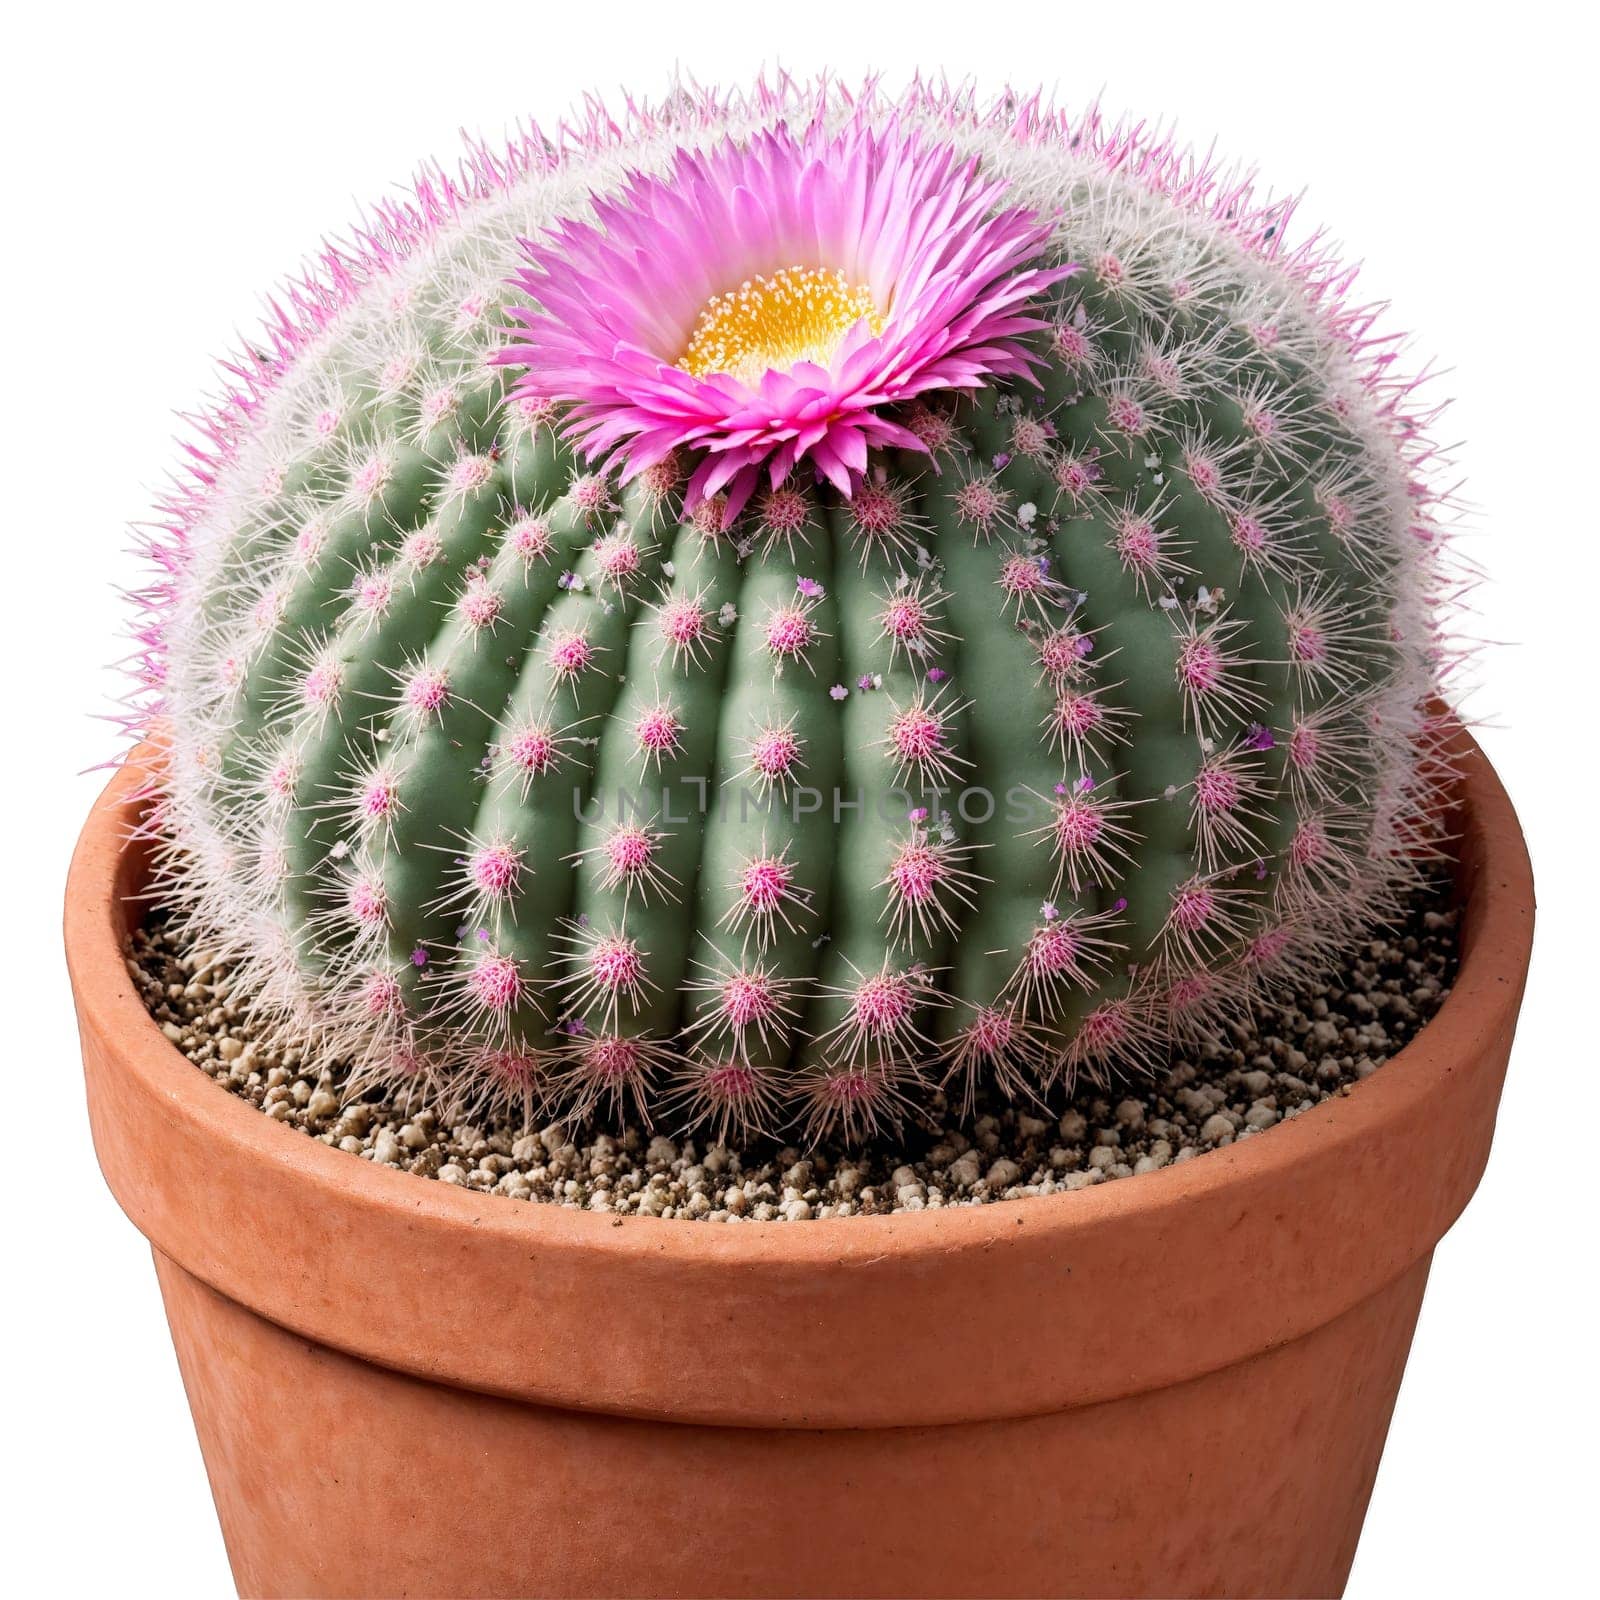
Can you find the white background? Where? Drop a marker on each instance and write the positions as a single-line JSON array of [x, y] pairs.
[[167, 163]]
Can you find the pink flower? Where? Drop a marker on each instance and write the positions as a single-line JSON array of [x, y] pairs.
[[763, 303]]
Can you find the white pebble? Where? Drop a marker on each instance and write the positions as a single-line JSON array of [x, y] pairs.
[[964, 1170]]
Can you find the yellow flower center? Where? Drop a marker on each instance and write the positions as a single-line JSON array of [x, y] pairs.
[[798, 314]]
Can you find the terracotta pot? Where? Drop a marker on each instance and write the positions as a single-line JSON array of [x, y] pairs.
[[1178, 1384]]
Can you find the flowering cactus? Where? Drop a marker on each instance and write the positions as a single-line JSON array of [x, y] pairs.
[[758, 613]]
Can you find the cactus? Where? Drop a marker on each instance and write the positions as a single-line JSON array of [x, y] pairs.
[[530, 756]]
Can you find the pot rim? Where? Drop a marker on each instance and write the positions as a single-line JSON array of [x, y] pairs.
[[587, 1264]]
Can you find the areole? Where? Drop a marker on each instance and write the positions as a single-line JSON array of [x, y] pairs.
[[1006, 1310]]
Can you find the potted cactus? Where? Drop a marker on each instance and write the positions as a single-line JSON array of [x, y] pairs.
[[740, 620]]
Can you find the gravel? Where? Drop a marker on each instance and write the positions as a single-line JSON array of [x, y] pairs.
[[1291, 1058]]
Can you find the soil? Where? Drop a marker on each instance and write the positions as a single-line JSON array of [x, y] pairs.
[[1291, 1057]]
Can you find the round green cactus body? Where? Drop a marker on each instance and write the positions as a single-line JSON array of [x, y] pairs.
[[1054, 740]]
